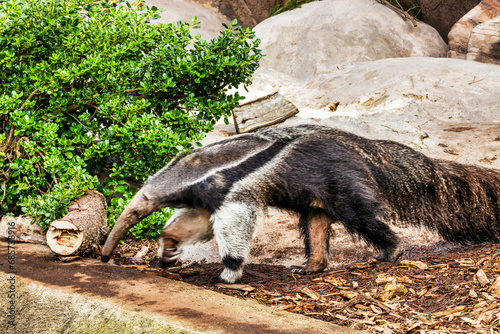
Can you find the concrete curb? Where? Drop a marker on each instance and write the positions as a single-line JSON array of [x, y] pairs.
[[45, 310], [88, 296]]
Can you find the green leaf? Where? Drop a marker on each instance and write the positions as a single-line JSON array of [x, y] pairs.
[[121, 189]]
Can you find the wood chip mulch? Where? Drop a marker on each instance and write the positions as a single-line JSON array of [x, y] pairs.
[[451, 289]]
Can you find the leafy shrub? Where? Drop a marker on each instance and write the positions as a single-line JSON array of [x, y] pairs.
[[88, 88]]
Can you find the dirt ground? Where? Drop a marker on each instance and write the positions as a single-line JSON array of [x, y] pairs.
[[439, 288]]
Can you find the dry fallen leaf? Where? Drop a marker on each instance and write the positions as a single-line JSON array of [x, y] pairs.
[[481, 277], [387, 330], [384, 278], [69, 258], [466, 306], [487, 296], [348, 294], [450, 311], [256, 273], [313, 294], [495, 288], [469, 320], [367, 264], [140, 267], [404, 279], [287, 307], [240, 287], [335, 281], [391, 290], [302, 307], [417, 264], [467, 263]]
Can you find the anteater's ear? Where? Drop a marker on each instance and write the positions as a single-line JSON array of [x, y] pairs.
[[145, 196]]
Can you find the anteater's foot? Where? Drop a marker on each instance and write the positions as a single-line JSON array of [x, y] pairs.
[[391, 254], [229, 276], [309, 268], [298, 269]]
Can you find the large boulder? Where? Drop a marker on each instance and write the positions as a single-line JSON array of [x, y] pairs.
[[446, 108], [460, 33], [182, 10], [484, 42], [319, 36]]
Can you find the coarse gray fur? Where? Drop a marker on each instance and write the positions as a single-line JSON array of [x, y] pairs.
[[325, 176]]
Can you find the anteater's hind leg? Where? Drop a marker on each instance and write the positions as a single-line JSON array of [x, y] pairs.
[[377, 234], [359, 208], [315, 229]]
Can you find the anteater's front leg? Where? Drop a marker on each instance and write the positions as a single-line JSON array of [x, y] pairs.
[[234, 226]]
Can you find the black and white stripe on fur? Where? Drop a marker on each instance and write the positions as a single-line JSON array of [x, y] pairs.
[[324, 175]]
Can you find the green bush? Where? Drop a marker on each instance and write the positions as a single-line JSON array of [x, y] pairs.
[[88, 88]]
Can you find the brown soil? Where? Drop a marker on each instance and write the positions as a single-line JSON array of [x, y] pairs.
[[440, 288]]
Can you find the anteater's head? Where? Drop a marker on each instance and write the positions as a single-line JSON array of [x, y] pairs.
[[185, 227]]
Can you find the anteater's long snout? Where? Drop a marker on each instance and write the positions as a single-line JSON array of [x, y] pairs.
[[124, 223], [139, 208]]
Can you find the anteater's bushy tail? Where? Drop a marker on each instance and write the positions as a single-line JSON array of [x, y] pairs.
[[461, 202], [471, 195]]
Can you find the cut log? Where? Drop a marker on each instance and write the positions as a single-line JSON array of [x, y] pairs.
[[83, 229], [264, 111]]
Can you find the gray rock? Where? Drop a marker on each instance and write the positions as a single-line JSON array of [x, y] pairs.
[[460, 33], [321, 35], [181, 10], [484, 42], [446, 108]]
